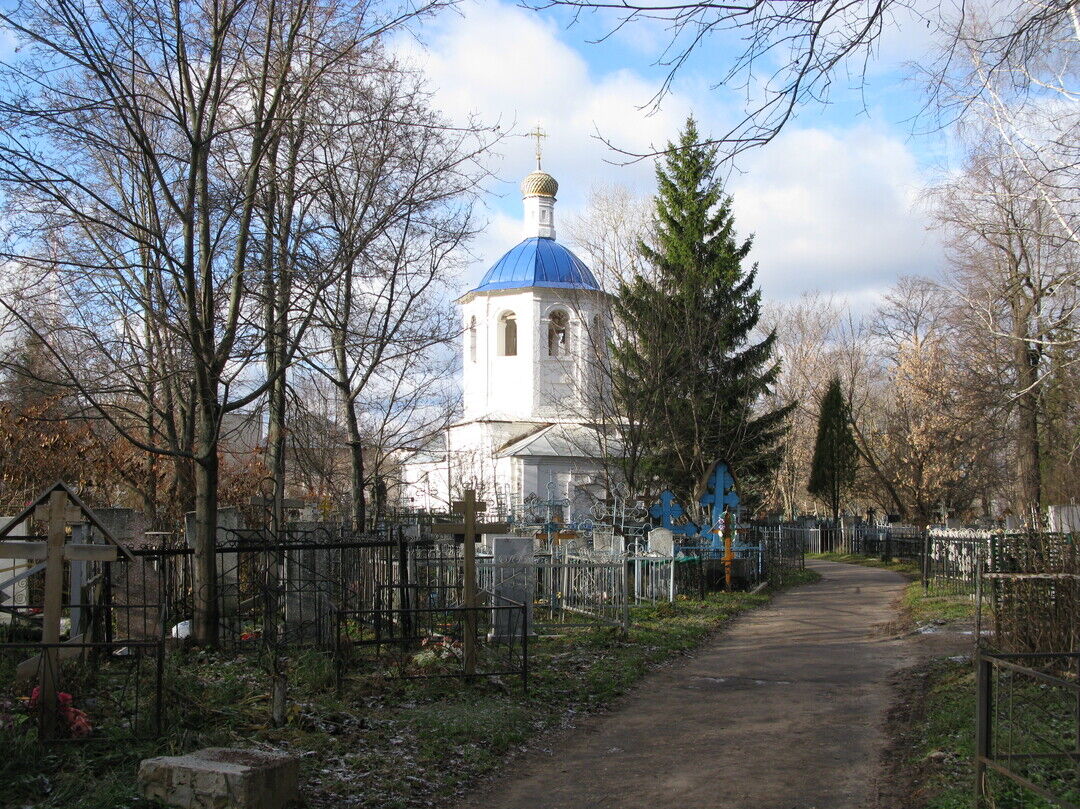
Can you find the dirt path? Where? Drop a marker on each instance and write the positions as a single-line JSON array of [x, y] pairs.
[[783, 711]]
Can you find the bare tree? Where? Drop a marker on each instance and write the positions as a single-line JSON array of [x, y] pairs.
[[136, 142], [786, 54], [1016, 273], [398, 199]]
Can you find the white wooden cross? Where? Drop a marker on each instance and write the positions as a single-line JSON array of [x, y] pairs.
[[63, 508], [468, 509]]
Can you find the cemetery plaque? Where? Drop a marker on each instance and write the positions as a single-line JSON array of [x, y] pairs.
[[662, 541]]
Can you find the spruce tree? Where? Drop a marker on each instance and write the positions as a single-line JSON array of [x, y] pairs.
[[835, 452], [688, 367]]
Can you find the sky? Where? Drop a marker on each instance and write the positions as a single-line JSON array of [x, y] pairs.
[[834, 203]]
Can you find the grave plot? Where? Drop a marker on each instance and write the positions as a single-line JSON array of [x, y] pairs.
[[293, 580], [74, 663], [433, 620]]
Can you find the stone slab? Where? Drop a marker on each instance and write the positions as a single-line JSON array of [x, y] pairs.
[[221, 778]]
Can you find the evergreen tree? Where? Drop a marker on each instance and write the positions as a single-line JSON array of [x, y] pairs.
[[835, 453], [687, 367]]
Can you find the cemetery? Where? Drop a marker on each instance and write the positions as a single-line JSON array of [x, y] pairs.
[[97, 628], [349, 458]]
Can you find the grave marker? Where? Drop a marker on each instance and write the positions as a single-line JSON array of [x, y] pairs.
[[468, 529], [58, 507]]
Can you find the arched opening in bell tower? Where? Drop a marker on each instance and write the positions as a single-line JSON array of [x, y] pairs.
[[558, 326], [507, 335]]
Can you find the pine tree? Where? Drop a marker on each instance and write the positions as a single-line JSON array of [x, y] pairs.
[[832, 471], [688, 368]]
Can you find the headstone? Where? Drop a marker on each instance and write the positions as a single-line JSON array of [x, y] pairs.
[[221, 778], [309, 593], [229, 520], [1064, 519], [662, 541], [605, 540], [14, 579], [513, 579]]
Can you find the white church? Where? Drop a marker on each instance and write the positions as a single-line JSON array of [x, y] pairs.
[[534, 337]]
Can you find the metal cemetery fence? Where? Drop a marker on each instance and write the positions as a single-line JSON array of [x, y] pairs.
[[301, 575], [1032, 584], [1028, 729], [948, 560], [415, 642]]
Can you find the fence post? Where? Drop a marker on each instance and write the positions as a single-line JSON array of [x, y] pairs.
[[983, 721], [671, 578], [926, 561]]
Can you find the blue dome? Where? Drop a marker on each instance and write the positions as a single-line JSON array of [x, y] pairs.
[[538, 262]]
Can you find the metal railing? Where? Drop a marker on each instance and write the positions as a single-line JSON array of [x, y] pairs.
[[426, 642], [1028, 728]]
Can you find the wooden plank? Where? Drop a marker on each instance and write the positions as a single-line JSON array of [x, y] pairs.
[[91, 553], [470, 581], [72, 516], [50, 624], [23, 550]]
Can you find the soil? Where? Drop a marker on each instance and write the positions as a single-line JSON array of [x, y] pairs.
[[788, 709]]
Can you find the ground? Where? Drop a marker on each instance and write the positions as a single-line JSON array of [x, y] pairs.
[[786, 710]]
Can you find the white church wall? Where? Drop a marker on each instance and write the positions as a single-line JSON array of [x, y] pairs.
[[496, 385]]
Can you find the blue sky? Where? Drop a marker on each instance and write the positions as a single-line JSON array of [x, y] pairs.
[[834, 203]]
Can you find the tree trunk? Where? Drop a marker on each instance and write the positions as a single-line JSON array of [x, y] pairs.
[[1027, 430], [206, 623], [356, 458]]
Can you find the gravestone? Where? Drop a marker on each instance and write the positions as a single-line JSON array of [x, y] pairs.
[[309, 589], [662, 541], [514, 579], [605, 540], [1064, 519], [221, 778], [14, 578], [229, 520]]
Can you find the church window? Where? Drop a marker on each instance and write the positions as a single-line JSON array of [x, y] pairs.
[[472, 340], [508, 335], [557, 330]]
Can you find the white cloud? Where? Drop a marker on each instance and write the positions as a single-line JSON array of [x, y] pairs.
[[834, 211], [831, 210]]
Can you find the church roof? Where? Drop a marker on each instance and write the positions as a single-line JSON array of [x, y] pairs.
[[538, 262], [561, 441]]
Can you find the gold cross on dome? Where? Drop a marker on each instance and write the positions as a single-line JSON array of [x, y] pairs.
[[538, 133]]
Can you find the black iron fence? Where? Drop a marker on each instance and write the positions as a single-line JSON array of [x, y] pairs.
[[421, 642], [1028, 729], [290, 583]]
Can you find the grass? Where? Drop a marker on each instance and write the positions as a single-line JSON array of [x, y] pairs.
[[381, 742], [941, 744]]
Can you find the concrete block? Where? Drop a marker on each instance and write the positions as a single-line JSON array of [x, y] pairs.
[[221, 778]]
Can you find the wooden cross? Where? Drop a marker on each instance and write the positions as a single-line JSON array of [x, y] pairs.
[[469, 528], [63, 509]]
